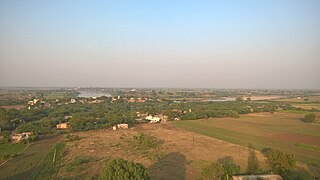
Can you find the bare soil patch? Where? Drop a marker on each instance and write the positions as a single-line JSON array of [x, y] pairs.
[[296, 138]]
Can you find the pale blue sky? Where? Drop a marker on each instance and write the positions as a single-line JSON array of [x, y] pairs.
[[209, 44]]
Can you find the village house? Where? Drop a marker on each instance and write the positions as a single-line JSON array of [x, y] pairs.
[[15, 138], [164, 119], [132, 100], [141, 115], [115, 99], [120, 126], [153, 119], [62, 125]]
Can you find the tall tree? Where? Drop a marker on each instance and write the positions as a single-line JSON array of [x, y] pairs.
[[253, 163]]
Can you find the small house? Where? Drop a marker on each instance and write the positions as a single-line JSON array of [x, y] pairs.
[[153, 119], [62, 126], [18, 137], [120, 126]]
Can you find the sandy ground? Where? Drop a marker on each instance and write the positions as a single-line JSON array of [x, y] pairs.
[[182, 153]]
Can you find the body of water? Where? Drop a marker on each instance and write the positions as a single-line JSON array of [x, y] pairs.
[[88, 94]]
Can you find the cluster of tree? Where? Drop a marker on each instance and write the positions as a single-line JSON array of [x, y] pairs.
[[5, 137], [284, 164], [203, 110], [10, 119], [123, 169], [95, 116], [11, 101], [223, 169]]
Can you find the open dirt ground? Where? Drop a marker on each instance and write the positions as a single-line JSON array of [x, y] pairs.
[[180, 155]]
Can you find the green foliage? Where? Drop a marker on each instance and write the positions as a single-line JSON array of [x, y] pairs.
[[253, 163], [213, 171], [309, 146], [280, 162], [35, 127], [6, 119], [120, 169], [146, 140], [7, 156], [309, 118], [298, 174], [5, 137], [77, 162], [72, 137], [11, 149], [229, 167]]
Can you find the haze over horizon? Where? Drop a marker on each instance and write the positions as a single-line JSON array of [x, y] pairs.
[[189, 44]]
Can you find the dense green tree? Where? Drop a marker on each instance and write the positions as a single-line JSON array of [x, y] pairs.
[[214, 171], [280, 162], [122, 169]]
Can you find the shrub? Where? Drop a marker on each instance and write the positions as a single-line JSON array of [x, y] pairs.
[[146, 140], [309, 117], [77, 162], [123, 169]]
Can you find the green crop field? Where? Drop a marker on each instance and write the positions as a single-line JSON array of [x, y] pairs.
[[35, 162], [11, 148], [282, 131]]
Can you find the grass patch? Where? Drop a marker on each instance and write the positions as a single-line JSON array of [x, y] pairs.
[[296, 111], [72, 137], [308, 146], [11, 149], [147, 146], [146, 141], [77, 162]]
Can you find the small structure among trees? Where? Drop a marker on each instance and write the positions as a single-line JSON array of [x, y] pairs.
[[62, 125]]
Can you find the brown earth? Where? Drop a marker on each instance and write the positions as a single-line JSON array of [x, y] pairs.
[[181, 154], [296, 138]]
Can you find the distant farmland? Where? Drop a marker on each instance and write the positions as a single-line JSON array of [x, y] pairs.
[[282, 131]]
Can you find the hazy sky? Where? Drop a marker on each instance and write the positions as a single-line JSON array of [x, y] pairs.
[[163, 43]]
